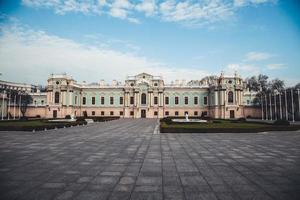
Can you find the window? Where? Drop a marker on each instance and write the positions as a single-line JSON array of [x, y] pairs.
[[111, 100], [204, 113], [75, 100], [42, 102], [143, 99], [93, 112], [186, 100], [34, 102], [83, 100], [131, 113], [57, 82], [195, 100], [102, 113], [230, 97], [176, 100], [111, 113], [248, 102], [131, 84], [155, 84], [155, 100], [131, 100], [102, 100], [176, 113], [195, 113], [167, 100], [155, 113], [121, 100], [93, 100], [186, 112], [205, 100], [56, 97], [121, 113], [167, 113]]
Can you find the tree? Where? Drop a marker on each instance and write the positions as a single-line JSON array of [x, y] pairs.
[[253, 84], [297, 86], [25, 100], [209, 79], [277, 85], [263, 82]]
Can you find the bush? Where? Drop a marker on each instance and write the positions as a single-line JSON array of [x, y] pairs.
[[216, 121], [242, 119], [68, 117], [80, 119], [282, 122], [38, 116], [249, 116], [24, 118]]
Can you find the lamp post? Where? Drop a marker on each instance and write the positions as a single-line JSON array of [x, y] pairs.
[[20, 105], [293, 112], [15, 98], [2, 110], [8, 113]]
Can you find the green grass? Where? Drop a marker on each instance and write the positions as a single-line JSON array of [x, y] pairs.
[[222, 126], [29, 123], [215, 125]]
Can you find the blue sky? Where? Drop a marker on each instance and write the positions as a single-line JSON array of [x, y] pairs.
[[93, 40]]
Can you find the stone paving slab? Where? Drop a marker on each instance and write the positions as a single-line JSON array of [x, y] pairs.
[[127, 159]]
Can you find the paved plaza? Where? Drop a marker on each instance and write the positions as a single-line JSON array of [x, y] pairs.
[[126, 159]]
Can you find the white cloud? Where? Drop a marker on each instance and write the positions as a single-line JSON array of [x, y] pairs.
[[186, 12], [30, 56], [275, 66], [147, 6], [258, 56], [244, 69], [239, 3]]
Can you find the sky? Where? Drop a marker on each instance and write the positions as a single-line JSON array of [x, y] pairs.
[[93, 40]]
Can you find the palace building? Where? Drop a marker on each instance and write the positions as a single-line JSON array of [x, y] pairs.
[[141, 96]]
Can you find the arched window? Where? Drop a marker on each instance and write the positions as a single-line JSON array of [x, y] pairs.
[[56, 97], [230, 97], [186, 100], [144, 99]]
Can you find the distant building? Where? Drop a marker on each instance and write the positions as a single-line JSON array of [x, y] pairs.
[[143, 96]]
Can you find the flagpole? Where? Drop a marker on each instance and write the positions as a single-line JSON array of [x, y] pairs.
[[280, 105], [286, 111], [293, 112], [270, 95], [262, 108], [275, 106], [298, 103], [267, 117]]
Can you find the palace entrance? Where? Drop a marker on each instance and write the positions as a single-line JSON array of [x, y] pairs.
[[143, 113], [231, 114]]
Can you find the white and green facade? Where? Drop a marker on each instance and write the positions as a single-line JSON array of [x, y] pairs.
[[139, 96], [147, 96]]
